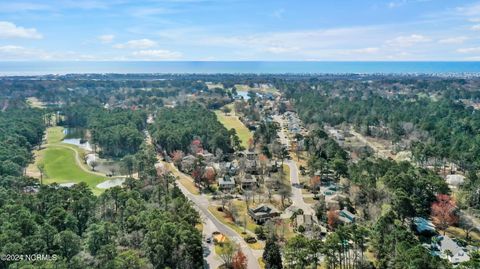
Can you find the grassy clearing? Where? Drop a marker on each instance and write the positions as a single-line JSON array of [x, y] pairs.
[[286, 171], [199, 227], [35, 103], [185, 180], [261, 262], [456, 232], [219, 246], [55, 135], [309, 200], [231, 121], [243, 87], [61, 164], [61, 167]]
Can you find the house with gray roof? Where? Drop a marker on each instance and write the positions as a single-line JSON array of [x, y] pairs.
[[226, 182], [262, 213], [449, 249]]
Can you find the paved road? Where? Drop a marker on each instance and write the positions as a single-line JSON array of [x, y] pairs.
[[297, 196], [213, 224]]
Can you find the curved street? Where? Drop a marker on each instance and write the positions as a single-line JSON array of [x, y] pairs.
[[211, 224]]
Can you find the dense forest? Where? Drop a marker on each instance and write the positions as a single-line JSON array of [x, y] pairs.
[[176, 128], [117, 132], [438, 130], [147, 223], [20, 131], [444, 128]]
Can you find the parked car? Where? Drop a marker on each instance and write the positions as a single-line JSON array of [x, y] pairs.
[[250, 240]]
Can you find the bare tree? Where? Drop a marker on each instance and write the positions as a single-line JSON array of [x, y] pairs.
[[466, 225], [227, 252], [41, 169], [93, 164]]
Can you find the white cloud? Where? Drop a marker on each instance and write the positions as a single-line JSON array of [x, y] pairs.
[[106, 38], [407, 41], [20, 53], [475, 27], [470, 10], [157, 54], [469, 50], [10, 30], [453, 40], [474, 20], [136, 44], [13, 52]]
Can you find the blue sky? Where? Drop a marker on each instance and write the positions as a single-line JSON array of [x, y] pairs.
[[320, 30]]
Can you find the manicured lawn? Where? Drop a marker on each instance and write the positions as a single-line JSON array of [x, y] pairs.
[[55, 135], [231, 121], [61, 167]]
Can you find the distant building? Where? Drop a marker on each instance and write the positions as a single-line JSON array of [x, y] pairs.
[[262, 213]]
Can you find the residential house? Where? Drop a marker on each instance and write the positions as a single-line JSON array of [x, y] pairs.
[[187, 164], [306, 221], [346, 216], [248, 181], [424, 226], [262, 213], [455, 180], [207, 156], [226, 182], [449, 249]]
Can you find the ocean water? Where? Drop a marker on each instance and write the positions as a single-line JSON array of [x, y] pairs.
[[240, 67]]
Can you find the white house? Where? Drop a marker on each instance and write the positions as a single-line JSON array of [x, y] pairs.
[[450, 250]]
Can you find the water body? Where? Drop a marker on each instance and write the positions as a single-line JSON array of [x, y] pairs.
[[259, 67], [78, 142], [111, 183]]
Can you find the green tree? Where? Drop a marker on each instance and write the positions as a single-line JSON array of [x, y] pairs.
[[271, 254], [68, 244]]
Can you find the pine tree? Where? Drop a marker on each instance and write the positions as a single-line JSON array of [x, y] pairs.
[[271, 254]]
